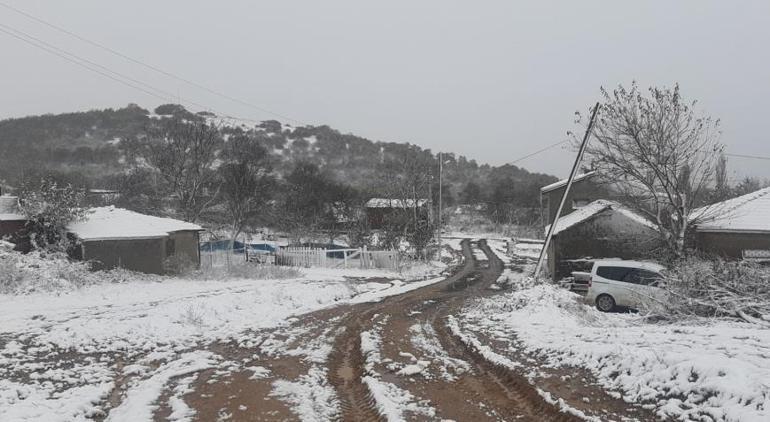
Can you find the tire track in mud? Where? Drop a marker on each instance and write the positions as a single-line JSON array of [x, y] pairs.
[[503, 392]]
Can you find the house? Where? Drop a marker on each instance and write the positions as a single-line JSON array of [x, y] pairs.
[[737, 228], [601, 229], [13, 223], [584, 190], [118, 238], [379, 209]]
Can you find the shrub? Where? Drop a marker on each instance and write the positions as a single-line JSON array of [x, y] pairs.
[[703, 287], [43, 271], [248, 270]]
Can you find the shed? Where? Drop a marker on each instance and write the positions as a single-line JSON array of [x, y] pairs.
[[13, 223], [601, 229], [378, 209], [583, 192], [737, 228], [118, 238]]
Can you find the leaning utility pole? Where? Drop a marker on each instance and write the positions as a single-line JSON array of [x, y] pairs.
[[575, 167], [438, 220]]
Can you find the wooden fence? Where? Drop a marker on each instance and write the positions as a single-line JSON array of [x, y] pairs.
[[338, 258]]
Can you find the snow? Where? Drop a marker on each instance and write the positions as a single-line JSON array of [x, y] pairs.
[[139, 401], [699, 370], [311, 398], [425, 339], [153, 322], [582, 214], [105, 223], [392, 402], [745, 213]]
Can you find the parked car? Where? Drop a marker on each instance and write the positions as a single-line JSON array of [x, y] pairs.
[[623, 283]]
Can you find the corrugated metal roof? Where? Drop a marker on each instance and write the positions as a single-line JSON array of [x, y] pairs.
[[110, 223], [561, 183], [596, 207], [747, 213]]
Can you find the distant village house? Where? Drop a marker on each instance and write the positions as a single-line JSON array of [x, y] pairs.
[[379, 209], [12, 223], [738, 228], [583, 191], [117, 238]]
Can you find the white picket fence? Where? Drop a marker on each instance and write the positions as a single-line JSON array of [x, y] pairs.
[[338, 258]]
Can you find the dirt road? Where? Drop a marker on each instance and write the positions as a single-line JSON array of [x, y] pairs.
[[400, 359]]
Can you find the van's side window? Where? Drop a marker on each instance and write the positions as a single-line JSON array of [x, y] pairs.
[[649, 278], [613, 273]]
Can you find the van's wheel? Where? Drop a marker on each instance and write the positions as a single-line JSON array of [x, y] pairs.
[[605, 303]]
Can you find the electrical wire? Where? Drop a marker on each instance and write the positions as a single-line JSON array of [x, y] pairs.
[[149, 66]]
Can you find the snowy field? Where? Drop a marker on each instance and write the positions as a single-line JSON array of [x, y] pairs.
[[61, 354], [703, 370]]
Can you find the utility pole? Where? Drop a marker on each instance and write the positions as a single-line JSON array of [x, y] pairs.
[[440, 182], [575, 167]]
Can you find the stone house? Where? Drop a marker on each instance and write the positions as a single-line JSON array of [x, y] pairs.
[[601, 229]]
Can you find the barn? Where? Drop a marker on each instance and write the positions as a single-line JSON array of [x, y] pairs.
[[601, 229], [738, 228], [117, 238]]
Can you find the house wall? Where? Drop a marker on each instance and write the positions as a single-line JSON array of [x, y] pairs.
[[610, 234], [143, 255], [186, 244], [731, 245], [583, 190]]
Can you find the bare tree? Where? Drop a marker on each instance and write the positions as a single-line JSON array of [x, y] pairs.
[[184, 154], [659, 154], [247, 182], [407, 182]]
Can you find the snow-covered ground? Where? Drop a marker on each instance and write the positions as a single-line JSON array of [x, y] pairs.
[[57, 350], [702, 370]]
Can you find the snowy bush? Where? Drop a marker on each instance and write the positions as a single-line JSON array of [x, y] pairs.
[[49, 272], [49, 207], [715, 288], [250, 271]]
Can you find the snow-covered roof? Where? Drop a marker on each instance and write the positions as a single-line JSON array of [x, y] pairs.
[[110, 223], [394, 203], [9, 209], [560, 183], [747, 213], [589, 211]]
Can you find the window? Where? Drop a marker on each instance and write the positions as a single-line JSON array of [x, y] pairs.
[[613, 273], [629, 275], [649, 278]]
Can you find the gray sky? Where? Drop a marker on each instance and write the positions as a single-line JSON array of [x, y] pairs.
[[493, 80]]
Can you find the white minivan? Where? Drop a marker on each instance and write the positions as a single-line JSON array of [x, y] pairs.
[[623, 283]]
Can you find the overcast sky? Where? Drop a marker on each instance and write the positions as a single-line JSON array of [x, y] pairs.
[[493, 80]]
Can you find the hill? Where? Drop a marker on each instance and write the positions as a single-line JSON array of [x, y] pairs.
[[89, 149]]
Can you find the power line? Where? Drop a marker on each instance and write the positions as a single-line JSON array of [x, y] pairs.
[[103, 70], [756, 157], [82, 64], [538, 152], [149, 66]]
